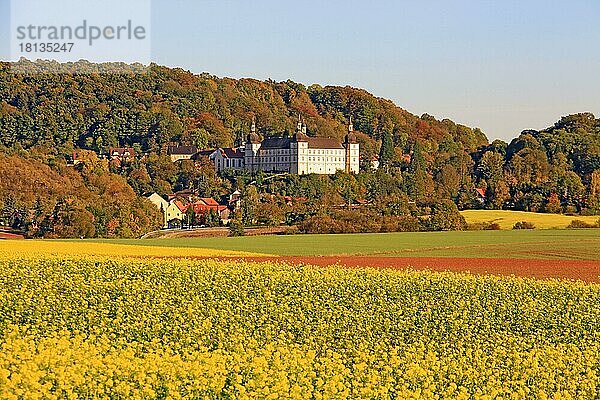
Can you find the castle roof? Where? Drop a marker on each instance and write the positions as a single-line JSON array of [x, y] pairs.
[[351, 137], [282, 142], [300, 137], [228, 152], [182, 150], [324, 143], [253, 138], [276, 142]]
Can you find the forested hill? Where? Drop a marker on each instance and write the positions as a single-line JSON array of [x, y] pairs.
[[95, 111], [429, 168]]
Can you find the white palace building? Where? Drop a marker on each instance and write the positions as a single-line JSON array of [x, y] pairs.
[[299, 154]]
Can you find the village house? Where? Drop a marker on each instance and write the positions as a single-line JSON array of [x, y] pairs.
[[77, 158], [161, 204], [481, 195], [176, 212], [118, 156], [375, 162], [203, 206], [235, 200], [178, 153], [123, 154]]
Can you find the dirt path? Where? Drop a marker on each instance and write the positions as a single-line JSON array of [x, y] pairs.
[[588, 271]]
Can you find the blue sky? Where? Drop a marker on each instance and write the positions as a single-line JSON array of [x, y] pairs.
[[503, 66]]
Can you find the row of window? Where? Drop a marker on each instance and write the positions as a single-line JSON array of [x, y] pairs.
[[274, 159], [269, 152], [323, 152], [288, 159], [231, 163], [276, 151], [326, 159], [239, 163]]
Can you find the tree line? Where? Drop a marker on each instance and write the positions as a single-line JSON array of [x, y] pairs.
[[429, 169]]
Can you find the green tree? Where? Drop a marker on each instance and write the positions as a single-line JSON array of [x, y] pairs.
[[236, 228], [250, 201], [445, 217], [190, 216], [419, 183], [386, 153], [594, 195], [212, 219]]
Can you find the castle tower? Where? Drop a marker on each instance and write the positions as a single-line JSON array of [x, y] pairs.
[[299, 126], [299, 150], [252, 146], [352, 150], [347, 146]]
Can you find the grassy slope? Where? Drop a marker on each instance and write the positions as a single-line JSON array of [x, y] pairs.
[[507, 219], [545, 244]]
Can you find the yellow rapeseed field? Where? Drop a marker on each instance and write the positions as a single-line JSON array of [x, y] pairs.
[[36, 248], [507, 219], [94, 327]]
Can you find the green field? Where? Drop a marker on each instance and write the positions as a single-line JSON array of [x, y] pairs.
[[507, 219], [540, 244]]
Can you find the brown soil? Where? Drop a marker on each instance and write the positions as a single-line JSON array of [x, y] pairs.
[[10, 236], [588, 271]]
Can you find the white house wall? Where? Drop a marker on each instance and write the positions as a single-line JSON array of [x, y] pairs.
[[297, 159]]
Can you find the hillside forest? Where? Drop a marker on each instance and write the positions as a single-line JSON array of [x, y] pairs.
[[429, 169]]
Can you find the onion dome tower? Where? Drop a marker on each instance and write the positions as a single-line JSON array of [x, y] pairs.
[[253, 137], [349, 144]]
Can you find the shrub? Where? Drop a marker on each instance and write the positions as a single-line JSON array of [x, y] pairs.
[[358, 221], [579, 224], [319, 224], [524, 225], [570, 210], [408, 223], [484, 226], [236, 228], [291, 230], [589, 211]]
